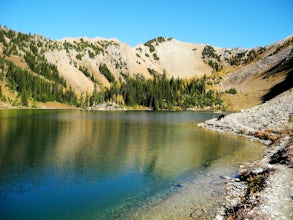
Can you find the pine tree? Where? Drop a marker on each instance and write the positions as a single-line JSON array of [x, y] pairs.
[[24, 98]]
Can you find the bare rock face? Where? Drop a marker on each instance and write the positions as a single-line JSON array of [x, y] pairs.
[[234, 79]]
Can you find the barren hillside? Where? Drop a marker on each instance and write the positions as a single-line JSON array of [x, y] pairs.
[[84, 63], [261, 80]]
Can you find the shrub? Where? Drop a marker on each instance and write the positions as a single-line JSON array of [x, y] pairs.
[[156, 57], [78, 56], [209, 52], [91, 54], [84, 70], [231, 91]]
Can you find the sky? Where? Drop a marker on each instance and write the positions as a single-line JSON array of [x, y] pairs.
[[222, 23]]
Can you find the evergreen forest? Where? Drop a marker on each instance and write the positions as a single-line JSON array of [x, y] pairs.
[[159, 93]]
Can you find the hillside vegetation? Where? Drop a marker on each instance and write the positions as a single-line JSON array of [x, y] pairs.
[[163, 73]]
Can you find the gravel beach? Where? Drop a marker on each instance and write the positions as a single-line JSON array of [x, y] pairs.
[[263, 189]]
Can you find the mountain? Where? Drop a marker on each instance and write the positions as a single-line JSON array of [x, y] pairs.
[[263, 79], [77, 66]]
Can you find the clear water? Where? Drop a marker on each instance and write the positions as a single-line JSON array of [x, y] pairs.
[[70, 164]]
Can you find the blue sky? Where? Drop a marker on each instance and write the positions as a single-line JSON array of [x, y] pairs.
[[223, 23]]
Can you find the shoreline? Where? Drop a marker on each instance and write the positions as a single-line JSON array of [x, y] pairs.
[[263, 189], [107, 106]]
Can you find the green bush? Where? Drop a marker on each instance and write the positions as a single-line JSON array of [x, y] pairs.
[[156, 57], [78, 56], [231, 91], [209, 52]]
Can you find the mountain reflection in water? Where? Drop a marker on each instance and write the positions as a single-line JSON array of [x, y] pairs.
[[83, 164]]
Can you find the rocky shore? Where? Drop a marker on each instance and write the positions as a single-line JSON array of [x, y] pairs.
[[263, 189]]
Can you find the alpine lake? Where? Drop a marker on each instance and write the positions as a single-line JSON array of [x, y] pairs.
[[75, 164]]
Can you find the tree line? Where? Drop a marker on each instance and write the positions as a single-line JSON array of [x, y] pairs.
[[30, 86], [159, 93]]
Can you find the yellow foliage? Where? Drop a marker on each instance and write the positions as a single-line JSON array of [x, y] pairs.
[[119, 99]]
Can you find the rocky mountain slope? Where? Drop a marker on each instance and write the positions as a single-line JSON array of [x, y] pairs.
[[262, 80], [83, 62]]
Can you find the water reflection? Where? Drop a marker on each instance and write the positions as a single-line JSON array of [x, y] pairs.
[[155, 143], [105, 159]]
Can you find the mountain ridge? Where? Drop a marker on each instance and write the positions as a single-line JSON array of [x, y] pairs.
[[85, 63]]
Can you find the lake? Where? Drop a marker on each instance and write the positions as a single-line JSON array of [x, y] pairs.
[[73, 164]]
